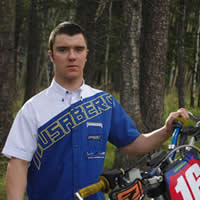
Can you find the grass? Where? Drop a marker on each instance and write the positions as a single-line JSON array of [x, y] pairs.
[[3, 166], [171, 104], [110, 156]]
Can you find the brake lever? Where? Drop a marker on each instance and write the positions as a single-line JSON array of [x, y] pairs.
[[194, 117], [185, 132], [189, 130]]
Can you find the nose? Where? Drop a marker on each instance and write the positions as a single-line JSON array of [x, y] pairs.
[[71, 54]]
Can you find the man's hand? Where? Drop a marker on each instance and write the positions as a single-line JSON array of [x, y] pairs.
[[182, 112]]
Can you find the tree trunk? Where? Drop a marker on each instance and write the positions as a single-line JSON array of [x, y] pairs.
[[34, 41], [173, 76], [154, 45], [129, 91], [130, 64], [198, 88], [198, 103], [195, 68], [7, 66], [181, 62], [37, 76], [86, 12], [106, 82]]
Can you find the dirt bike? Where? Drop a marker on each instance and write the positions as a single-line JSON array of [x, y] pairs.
[[174, 174]]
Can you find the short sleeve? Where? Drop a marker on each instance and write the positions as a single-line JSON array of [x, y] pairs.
[[22, 138], [123, 130]]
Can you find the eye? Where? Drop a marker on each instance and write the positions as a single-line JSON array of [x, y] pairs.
[[62, 49], [79, 49]]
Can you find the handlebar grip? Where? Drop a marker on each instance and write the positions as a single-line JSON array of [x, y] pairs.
[[182, 121], [102, 185]]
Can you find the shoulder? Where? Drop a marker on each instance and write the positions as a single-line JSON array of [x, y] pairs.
[[34, 102], [101, 97], [38, 97], [89, 91]]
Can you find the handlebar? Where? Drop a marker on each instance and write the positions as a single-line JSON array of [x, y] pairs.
[[194, 118], [102, 185]]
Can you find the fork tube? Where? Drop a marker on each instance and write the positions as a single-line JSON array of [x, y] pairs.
[[174, 141]]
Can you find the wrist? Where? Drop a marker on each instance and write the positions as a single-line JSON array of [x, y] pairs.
[[167, 131]]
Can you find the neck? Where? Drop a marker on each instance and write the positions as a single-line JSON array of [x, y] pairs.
[[70, 84]]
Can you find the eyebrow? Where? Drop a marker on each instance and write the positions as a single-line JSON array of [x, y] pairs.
[[62, 47], [76, 46]]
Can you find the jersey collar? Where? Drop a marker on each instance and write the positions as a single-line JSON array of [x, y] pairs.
[[61, 91]]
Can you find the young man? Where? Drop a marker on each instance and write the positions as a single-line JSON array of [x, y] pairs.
[[57, 143]]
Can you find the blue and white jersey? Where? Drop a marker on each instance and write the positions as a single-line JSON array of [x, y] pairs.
[[63, 135]]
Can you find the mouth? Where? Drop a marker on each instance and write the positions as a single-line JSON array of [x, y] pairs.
[[72, 66]]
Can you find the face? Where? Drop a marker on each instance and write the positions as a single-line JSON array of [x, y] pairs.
[[69, 57]]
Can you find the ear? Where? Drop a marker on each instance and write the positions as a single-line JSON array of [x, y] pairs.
[[50, 53]]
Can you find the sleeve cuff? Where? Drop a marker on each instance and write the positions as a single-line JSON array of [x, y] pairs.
[[20, 154]]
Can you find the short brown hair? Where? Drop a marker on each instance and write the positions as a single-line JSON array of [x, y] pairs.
[[68, 28]]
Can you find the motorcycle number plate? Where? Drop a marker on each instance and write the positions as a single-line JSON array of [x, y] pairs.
[[184, 179]]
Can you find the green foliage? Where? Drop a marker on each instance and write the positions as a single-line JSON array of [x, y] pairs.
[[3, 166], [110, 156]]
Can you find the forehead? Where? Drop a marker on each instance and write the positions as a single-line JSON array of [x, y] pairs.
[[68, 40]]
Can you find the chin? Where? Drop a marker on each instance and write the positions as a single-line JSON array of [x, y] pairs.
[[73, 75], [72, 78]]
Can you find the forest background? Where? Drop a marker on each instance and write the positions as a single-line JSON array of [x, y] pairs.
[[140, 51]]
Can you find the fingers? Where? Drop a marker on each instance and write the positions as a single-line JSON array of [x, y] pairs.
[[183, 112]]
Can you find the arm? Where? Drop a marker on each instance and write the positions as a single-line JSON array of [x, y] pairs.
[[16, 179], [146, 143]]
